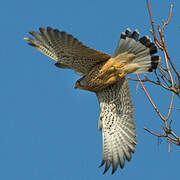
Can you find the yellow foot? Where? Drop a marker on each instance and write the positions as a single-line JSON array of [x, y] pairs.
[[122, 75], [117, 66]]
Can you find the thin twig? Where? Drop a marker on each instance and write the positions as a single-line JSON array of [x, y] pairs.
[[158, 135], [152, 24], [162, 39], [156, 109], [170, 107], [168, 69], [167, 22], [154, 82]]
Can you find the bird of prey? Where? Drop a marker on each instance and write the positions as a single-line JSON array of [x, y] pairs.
[[104, 75]]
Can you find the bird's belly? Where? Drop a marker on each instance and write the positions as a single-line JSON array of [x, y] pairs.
[[102, 75]]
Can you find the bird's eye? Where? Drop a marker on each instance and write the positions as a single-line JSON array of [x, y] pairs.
[[82, 82]]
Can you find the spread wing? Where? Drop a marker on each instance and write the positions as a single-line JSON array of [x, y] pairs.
[[66, 50], [116, 122]]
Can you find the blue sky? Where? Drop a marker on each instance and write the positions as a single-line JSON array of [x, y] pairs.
[[48, 130]]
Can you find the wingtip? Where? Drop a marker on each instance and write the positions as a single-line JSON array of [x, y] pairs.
[[114, 168], [105, 170], [102, 163], [26, 38], [106, 167], [49, 29], [41, 29], [31, 32], [108, 164], [113, 171]]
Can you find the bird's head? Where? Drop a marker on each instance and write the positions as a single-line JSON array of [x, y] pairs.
[[81, 83]]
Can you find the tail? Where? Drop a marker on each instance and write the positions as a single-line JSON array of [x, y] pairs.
[[143, 51]]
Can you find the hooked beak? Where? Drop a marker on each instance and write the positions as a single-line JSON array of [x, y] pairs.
[[76, 85]]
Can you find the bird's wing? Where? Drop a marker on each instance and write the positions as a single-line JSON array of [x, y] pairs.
[[117, 124], [66, 50]]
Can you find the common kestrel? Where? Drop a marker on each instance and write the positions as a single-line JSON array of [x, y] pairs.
[[104, 75]]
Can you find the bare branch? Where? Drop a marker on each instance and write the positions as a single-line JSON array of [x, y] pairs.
[[166, 23], [165, 80]]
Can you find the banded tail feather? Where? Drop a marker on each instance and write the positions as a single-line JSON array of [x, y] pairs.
[[143, 50]]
